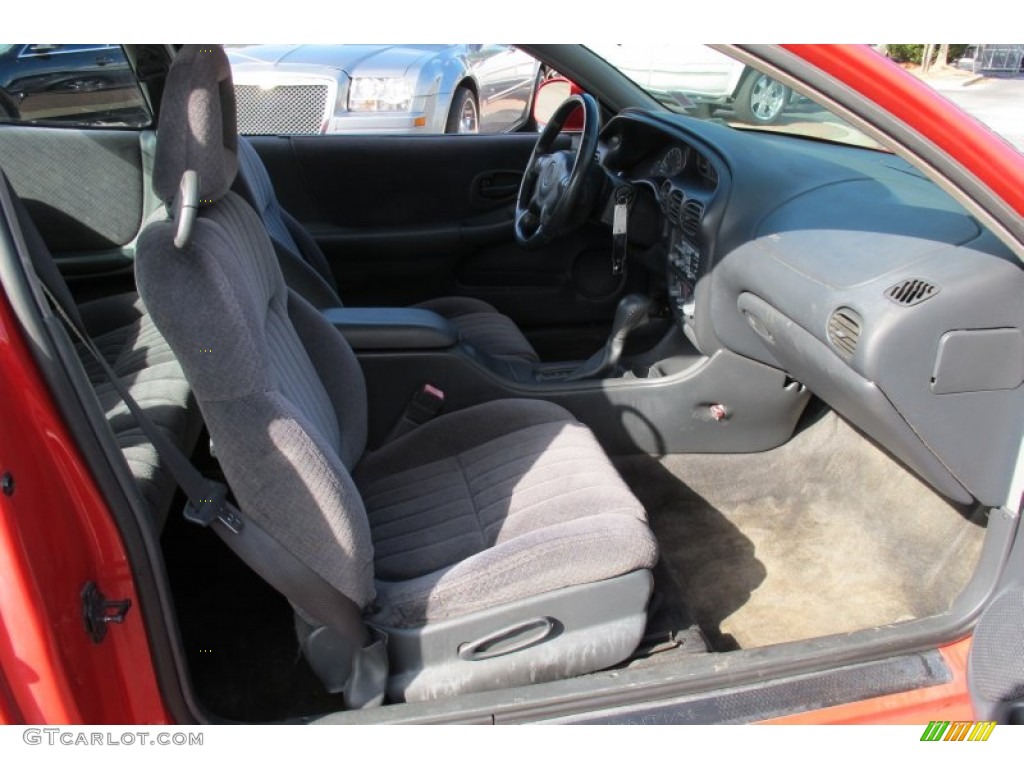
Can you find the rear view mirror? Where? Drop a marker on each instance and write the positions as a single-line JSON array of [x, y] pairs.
[[550, 96]]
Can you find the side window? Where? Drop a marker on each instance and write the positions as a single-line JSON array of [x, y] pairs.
[[400, 89], [75, 85]]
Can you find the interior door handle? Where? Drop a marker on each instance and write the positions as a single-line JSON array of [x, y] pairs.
[[497, 193], [496, 186]]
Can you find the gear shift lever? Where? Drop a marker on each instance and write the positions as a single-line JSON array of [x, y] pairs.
[[629, 315]]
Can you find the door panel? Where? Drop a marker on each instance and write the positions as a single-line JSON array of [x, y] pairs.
[[87, 191], [406, 218]]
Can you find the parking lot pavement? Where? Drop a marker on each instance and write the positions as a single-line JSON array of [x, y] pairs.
[[998, 102]]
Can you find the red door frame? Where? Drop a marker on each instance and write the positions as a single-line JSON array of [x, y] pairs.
[[56, 534]]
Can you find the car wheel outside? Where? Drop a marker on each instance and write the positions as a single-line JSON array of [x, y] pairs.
[[761, 100], [464, 115]]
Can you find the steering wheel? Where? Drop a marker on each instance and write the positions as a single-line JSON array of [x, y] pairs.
[[553, 182]]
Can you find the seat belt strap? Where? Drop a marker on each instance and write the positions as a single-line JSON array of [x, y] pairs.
[[207, 499]]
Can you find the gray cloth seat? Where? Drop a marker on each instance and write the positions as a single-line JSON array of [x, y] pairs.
[[493, 546], [307, 271], [123, 332], [514, 481]]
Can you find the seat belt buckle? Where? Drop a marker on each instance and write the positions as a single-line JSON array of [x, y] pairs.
[[213, 507], [425, 404]]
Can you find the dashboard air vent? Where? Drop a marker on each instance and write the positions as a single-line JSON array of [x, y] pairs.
[[707, 170], [844, 331], [675, 205], [690, 217], [911, 292]]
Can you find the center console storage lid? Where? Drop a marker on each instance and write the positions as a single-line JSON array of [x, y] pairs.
[[368, 328]]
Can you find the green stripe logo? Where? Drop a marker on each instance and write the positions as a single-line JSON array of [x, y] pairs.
[[935, 730]]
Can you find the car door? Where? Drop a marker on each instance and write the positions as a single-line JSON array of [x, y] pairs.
[[506, 78], [83, 83]]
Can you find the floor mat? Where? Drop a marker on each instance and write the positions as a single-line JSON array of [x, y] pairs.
[[826, 534], [238, 634]]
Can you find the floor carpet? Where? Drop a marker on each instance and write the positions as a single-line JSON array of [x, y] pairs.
[[826, 534]]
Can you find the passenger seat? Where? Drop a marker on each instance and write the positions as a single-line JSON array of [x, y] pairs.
[[122, 330]]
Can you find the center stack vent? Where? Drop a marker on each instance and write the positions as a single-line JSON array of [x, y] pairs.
[[844, 331], [690, 217]]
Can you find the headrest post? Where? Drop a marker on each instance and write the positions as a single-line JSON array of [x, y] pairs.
[[186, 203]]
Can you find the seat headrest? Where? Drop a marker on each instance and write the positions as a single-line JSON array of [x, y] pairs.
[[197, 129]]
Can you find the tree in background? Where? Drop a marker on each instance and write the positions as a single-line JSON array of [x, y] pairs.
[[906, 53], [926, 57]]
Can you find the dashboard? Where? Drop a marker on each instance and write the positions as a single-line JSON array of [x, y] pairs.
[[844, 267], [675, 187]]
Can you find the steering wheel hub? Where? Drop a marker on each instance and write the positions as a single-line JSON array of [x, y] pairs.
[[554, 180], [549, 177]]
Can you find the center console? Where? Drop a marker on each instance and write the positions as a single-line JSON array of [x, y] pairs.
[[670, 399]]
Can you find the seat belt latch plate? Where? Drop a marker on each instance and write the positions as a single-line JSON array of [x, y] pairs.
[[214, 506]]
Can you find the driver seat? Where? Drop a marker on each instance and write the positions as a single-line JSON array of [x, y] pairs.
[[491, 547], [307, 272]]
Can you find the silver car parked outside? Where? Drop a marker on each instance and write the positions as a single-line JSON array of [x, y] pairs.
[[313, 89]]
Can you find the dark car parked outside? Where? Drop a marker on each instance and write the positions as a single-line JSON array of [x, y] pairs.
[[85, 83]]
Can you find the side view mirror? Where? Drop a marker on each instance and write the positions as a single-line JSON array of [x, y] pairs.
[[550, 96]]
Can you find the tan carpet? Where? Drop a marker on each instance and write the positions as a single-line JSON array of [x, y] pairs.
[[823, 535]]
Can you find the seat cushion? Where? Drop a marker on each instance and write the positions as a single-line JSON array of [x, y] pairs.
[[484, 327], [125, 335], [492, 504]]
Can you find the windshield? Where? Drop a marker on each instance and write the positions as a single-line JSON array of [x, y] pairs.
[[704, 83]]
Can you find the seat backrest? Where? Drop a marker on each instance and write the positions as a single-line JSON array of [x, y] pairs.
[[303, 264], [281, 392]]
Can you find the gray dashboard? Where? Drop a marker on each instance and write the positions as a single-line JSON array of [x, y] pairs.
[[856, 275]]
